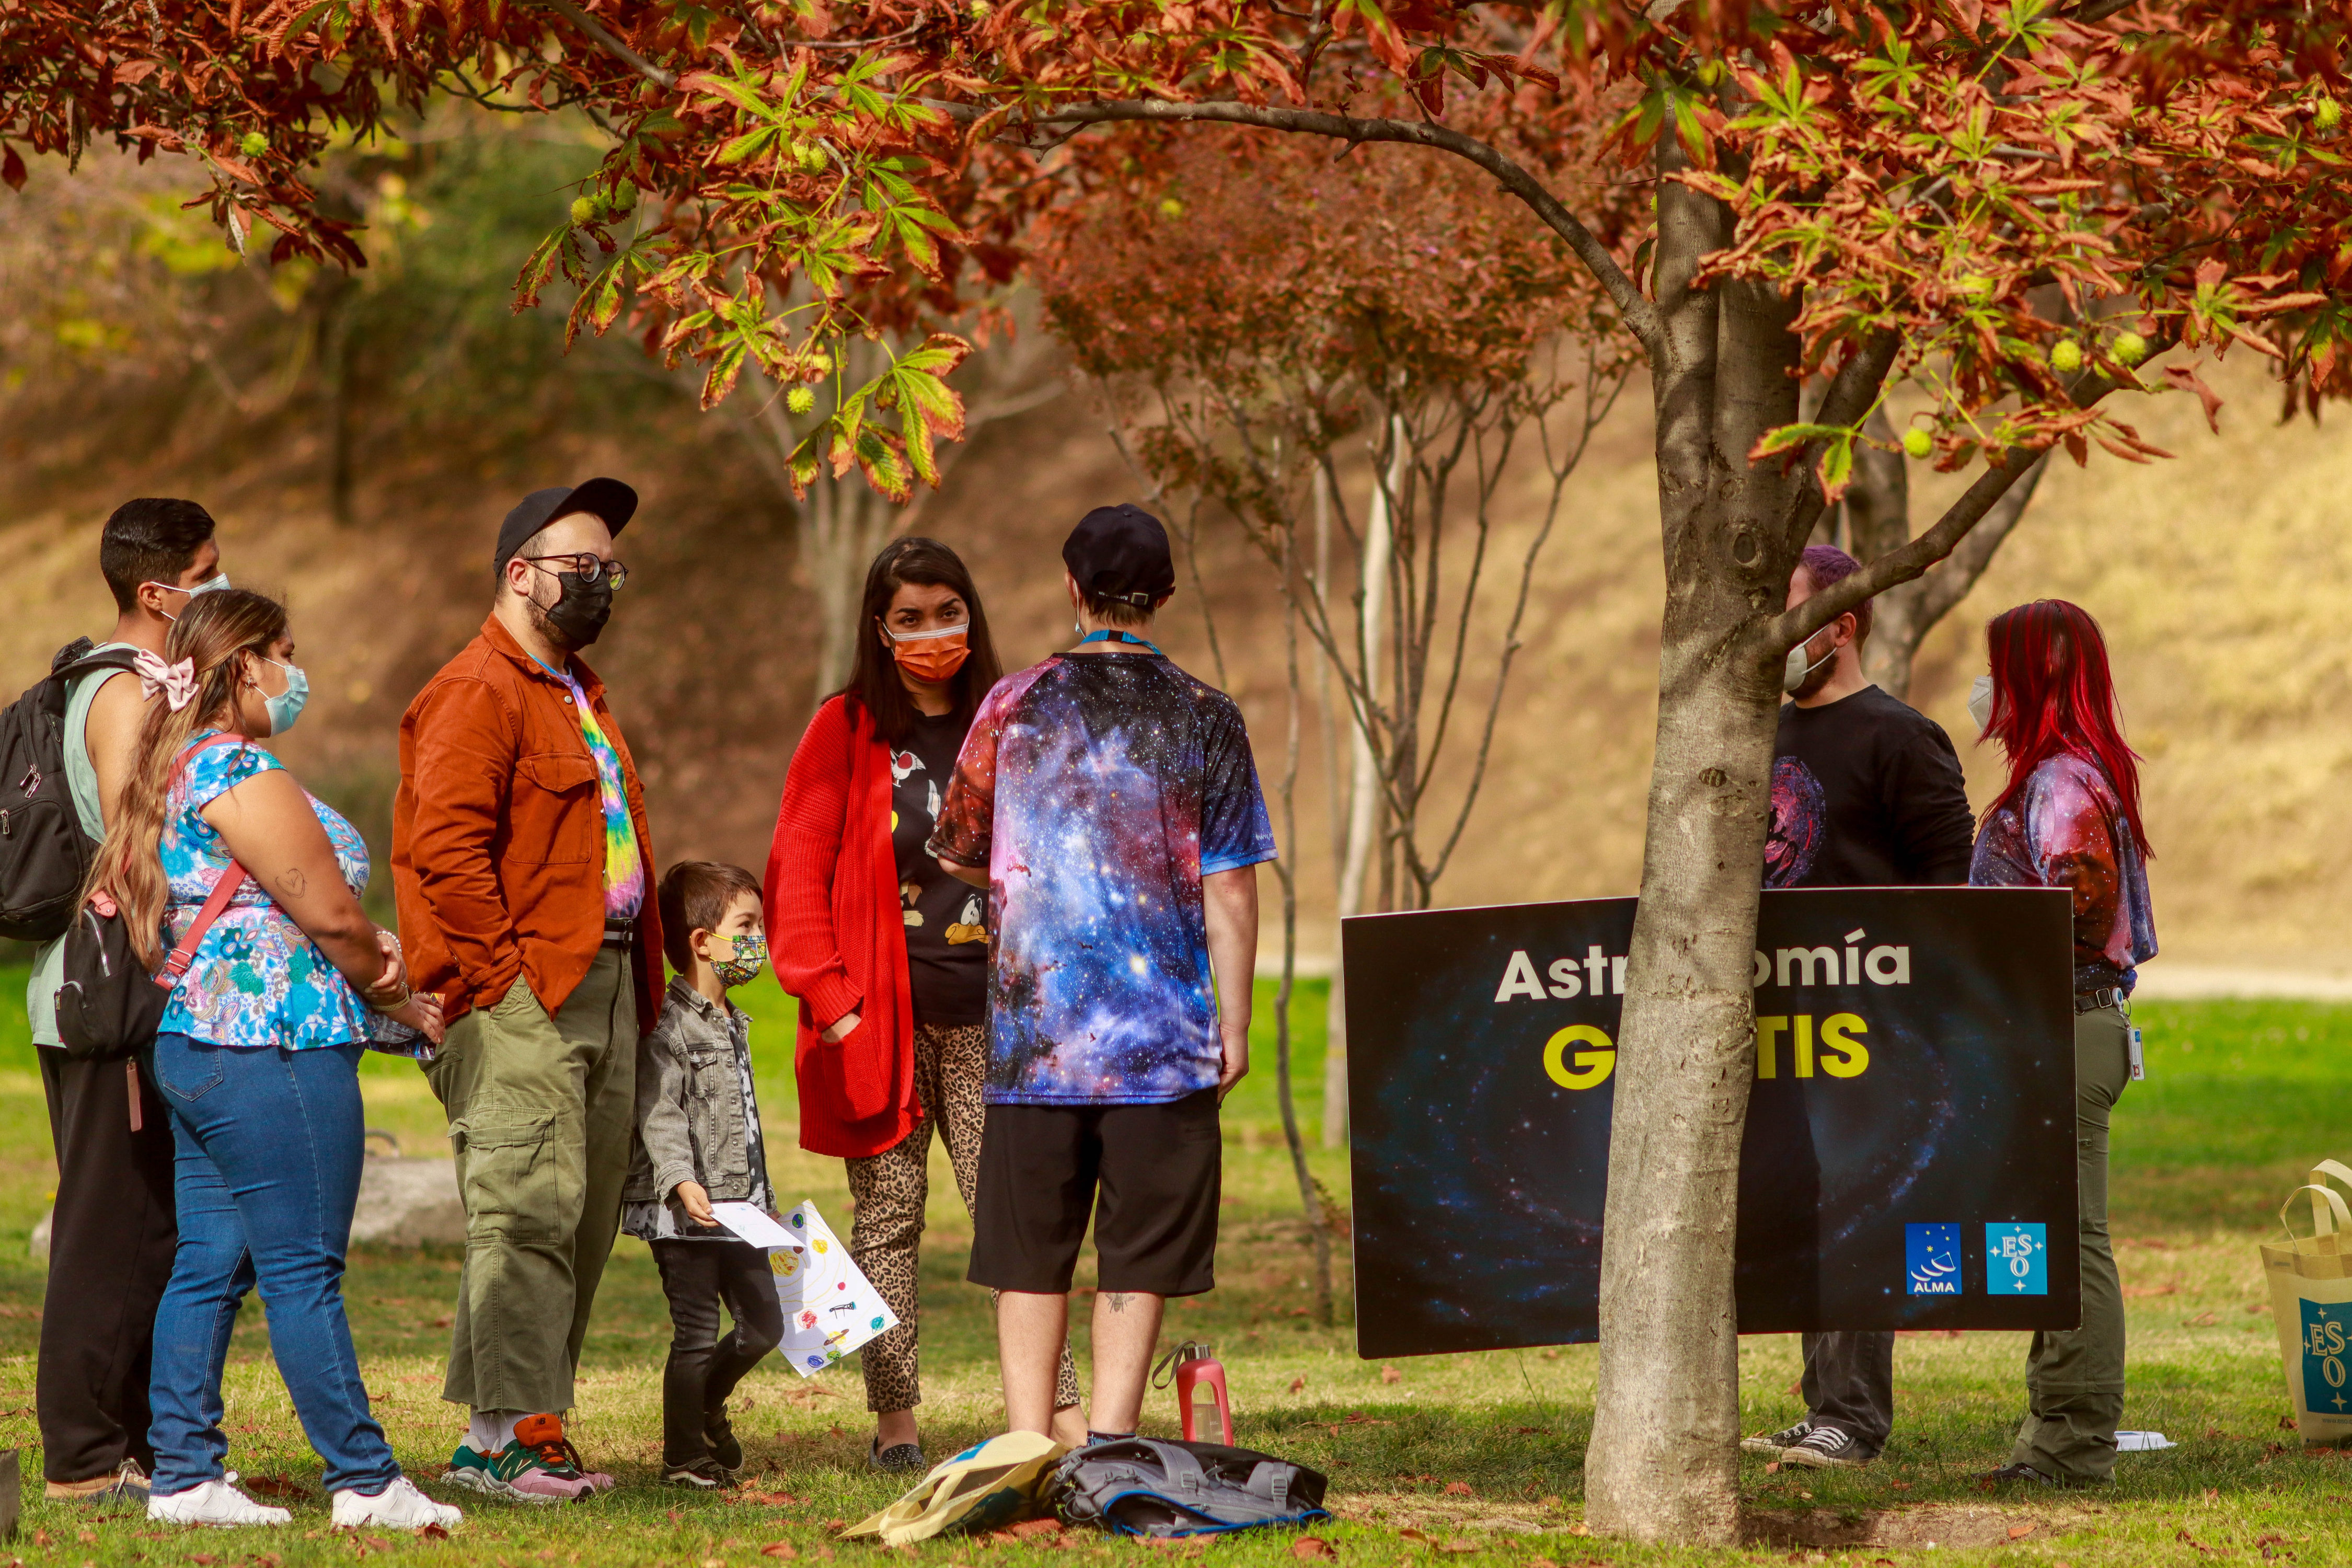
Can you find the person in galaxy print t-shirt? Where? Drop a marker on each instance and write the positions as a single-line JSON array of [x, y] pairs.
[[1109, 802]]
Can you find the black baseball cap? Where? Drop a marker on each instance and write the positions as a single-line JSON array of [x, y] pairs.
[[609, 500], [1122, 552]]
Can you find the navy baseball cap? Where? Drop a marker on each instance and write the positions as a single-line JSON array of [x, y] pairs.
[[609, 500], [1122, 552]]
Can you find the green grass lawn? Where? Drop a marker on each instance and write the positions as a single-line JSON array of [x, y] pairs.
[[1473, 1454]]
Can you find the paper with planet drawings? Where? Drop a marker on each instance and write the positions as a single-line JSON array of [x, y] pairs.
[[830, 1307], [752, 1222]]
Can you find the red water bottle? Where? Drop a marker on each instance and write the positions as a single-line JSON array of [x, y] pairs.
[[1196, 1369]]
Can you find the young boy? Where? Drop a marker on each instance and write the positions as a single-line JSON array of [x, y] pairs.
[[697, 1142]]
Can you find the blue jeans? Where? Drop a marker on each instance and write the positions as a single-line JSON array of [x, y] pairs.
[[267, 1172]]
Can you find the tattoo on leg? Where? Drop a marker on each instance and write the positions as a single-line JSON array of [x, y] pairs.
[[1118, 1300]]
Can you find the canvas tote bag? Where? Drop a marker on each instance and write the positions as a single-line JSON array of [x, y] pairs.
[[2311, 1300]]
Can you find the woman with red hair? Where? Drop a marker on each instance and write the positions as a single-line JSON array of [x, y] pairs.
[[2069, 817]]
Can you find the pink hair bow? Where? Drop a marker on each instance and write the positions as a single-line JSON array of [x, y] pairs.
[[177, 682]]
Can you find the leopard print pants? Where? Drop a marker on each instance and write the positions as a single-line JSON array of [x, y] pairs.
[[889, 1189]]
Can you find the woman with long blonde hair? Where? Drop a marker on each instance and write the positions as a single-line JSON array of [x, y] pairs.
[[256, 1058]]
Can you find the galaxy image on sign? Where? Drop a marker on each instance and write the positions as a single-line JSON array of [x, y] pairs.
[[1909, 1155]]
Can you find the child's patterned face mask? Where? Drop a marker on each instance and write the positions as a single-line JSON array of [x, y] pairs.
[[750, 957]]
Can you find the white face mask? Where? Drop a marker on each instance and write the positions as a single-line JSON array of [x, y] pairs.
[[1981, 701], [1797, 669], [211, 585]]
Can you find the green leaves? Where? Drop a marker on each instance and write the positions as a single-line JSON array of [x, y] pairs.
[[1836, 462]]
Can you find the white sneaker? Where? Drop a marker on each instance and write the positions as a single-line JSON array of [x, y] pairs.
[[399, 1506], [218, 1503]]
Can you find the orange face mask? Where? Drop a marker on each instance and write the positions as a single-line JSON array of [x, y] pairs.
[[930, 656]]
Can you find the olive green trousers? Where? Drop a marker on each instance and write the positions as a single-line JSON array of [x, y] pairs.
[[540, 1112], [2075, 1377]]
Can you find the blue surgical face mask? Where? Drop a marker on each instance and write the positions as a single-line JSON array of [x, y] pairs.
[[212, 585], [287, 706]]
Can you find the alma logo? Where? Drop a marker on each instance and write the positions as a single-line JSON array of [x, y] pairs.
[[1931, 1259]]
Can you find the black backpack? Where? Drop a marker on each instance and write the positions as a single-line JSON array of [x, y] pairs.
[[1159, 1487], [44, 854]]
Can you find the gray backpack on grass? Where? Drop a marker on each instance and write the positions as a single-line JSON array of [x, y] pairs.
[[1151, 1485]]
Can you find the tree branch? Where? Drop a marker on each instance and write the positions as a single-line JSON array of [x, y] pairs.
[[1850, 393], [1941, 590], [1641, 317], [610, 42]]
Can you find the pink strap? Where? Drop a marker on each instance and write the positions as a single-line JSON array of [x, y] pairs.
[[175, 968]]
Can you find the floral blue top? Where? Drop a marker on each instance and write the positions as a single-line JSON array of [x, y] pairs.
[[258, 979]]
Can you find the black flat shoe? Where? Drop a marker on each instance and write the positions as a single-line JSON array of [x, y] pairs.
[[899, 1457], [1992, 1479]]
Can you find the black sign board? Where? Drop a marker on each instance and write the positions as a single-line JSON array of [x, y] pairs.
[[1909, 1158]]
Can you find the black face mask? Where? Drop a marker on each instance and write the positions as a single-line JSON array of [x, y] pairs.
[[580, 608]]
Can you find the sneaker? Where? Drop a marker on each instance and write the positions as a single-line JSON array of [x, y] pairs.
[[1769, 1444], [719, 1435], [1826, 1448], [399, 1506], [127, 1485], [215, 1503], [544, 1434], [2015, 1473], [897, 1457], [702, 1475], [523, 1471]]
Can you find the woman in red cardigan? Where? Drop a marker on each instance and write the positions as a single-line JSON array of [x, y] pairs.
[[887, 955]]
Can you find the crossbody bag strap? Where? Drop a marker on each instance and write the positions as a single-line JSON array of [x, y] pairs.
[[175, 968]]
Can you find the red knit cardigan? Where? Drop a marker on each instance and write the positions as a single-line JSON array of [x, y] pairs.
[[839, 939]]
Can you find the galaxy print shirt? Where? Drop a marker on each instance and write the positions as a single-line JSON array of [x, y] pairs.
[[2066, 828], [1099, 789]]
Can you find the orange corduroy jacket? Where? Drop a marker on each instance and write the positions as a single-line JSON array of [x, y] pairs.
[[839, 938], [497, 834]]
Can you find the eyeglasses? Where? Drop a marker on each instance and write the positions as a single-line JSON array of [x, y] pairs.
[[592, 569]]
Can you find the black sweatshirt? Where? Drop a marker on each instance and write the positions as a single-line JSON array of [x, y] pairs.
[[1866, 792]]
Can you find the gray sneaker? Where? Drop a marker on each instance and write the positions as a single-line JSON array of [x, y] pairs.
[[1826, 1448], [1770, 1444]]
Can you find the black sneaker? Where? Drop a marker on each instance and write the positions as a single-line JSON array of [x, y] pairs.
[[897, 1457], [1991, 1479], [1826, 1448], [1770, 1444], [702, 1475], [720, 1437]]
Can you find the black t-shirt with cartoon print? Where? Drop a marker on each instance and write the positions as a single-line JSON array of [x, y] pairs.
[[947, 922]]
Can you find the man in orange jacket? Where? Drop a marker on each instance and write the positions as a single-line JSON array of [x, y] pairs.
[[522, 868]]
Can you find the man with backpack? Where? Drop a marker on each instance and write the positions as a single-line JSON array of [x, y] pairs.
[[112, 1232]]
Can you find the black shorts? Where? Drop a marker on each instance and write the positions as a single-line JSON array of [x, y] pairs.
[[1159, 1168]]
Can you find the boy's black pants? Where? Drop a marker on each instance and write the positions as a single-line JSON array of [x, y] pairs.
[[704, 1369], [111, 1245]]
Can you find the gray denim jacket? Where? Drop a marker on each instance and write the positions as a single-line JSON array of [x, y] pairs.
[[696, 1120]]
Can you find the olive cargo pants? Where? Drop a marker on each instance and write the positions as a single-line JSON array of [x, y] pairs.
[[2075, 1377], [540, 1112]]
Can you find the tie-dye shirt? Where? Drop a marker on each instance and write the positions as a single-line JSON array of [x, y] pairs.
[[1099, 789], [625, 864], [257, 979], [2066, 828]]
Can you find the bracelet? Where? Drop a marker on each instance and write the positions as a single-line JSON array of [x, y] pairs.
[[407, 993]]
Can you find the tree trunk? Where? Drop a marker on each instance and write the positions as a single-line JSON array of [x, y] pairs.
[[1364, 783], [1663, 1462]]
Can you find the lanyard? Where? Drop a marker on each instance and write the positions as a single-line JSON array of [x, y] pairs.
[[1119, 637]]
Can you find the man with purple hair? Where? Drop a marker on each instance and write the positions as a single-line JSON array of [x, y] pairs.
[[1866, 792]]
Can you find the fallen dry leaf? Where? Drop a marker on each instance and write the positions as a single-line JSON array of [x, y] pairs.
[[1795, 1389], [1551, 1355], [1036, 1529], [1772, 1466], [1541, 1563], [2212, 1494], [2019, 1532], [1414, 1535], [1391, 1375], [2287, 1422], [1314, 1549], [1550, 1500], [1459, 1545], [1298, 1385], [274, 1486], [837, 1524], [434, 1532], [203, 1557], [1900, 1485], [1460, 1488], [779, 1548], [1580, 1528]]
